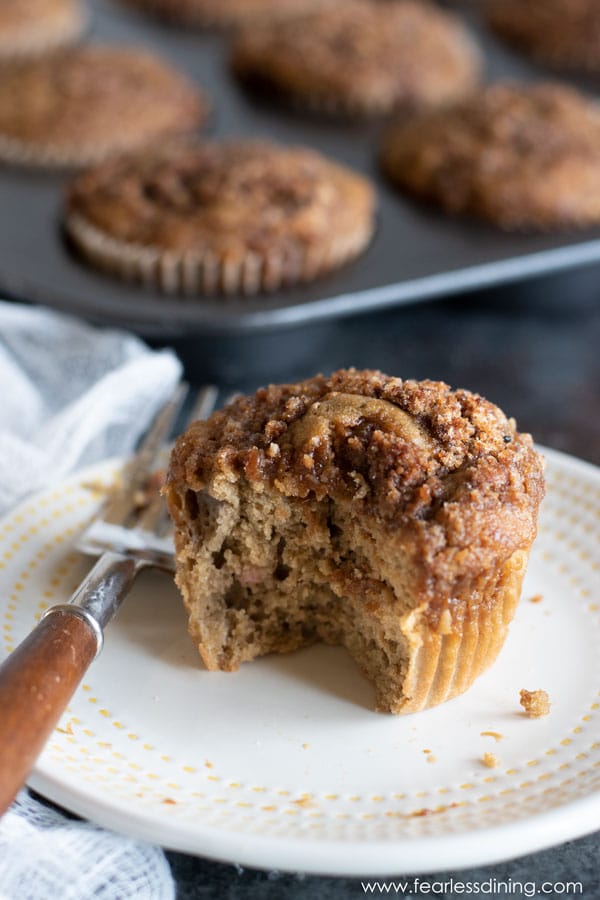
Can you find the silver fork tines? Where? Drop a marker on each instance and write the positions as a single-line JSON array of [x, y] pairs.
[[127, 536], [40, 676], [134, 519], [124, 503]]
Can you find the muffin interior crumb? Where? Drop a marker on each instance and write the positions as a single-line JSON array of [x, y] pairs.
[[278, 594]]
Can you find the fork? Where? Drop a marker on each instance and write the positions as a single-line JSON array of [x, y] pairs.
[[129, 534]]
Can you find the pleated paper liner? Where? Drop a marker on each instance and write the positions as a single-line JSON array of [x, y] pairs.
[[207, 273]]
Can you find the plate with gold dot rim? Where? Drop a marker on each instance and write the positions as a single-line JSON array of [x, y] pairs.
[[285, 764]]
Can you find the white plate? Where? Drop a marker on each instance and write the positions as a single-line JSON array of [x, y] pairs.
[[284, 764]]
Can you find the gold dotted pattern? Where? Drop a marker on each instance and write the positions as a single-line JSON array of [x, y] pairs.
[[97, 762]]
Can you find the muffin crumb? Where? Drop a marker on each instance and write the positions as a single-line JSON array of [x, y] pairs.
[[490, 760], [562, 35], [537, 598], [38, 28], [535, 703], [80, 106]]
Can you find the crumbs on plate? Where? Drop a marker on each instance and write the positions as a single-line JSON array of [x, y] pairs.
[[490, 760], [535, 703]]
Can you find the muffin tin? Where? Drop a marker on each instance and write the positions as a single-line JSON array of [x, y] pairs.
[[417, 253]]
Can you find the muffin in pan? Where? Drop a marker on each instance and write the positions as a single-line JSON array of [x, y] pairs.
[[32, 28], [562, 34], [80, 106], [231, 217], [225, 13], [525, 157], [392, 517], [362, 58]]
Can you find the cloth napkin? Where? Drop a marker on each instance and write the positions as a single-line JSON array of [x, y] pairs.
[[71, 394]]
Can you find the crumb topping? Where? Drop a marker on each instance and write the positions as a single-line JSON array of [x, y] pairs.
[[522, 155], [380, 44], [490, 760], [88, 92], [428, 461], [231, 196]]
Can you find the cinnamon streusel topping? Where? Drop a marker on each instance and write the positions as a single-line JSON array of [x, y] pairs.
[[523, 156], [96, 96], [14, 14], [363, 57], [444, 468], [32, 28], [228, 199], [562, 34]]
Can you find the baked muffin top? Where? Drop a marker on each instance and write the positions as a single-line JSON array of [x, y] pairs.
[[444, 468], [563, 33], [17, 14], [522, 156], [32, 27], [228, 198], [363, 57], [94, 97]]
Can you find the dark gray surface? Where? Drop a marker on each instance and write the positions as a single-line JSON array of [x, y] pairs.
[[416, 254], [538, 356], [575, 861]]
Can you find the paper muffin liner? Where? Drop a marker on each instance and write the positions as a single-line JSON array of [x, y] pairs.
[[43, 38], [206, 273], [445, 665]]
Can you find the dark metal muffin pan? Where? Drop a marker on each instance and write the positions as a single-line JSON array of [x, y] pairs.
[[417, 253]]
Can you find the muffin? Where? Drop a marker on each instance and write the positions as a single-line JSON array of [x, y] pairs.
[[562, 34], [392, 517], [225, 13], [220, 217], [362, 58], [37, 27], [521, 156], [80, 106]]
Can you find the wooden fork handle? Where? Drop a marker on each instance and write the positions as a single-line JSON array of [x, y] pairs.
[[36, 683]]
